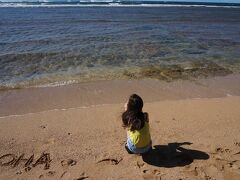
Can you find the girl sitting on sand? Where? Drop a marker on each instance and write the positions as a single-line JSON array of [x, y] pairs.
[[137, 124]]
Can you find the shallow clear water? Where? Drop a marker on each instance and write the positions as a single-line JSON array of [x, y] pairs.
[[40, 46]]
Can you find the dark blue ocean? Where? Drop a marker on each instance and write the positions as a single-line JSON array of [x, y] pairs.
[[57, 45]]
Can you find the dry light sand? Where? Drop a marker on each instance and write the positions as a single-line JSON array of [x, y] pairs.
[[193, 138]]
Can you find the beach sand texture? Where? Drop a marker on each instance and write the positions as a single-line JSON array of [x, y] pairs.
[[67, 71], [193, 138]]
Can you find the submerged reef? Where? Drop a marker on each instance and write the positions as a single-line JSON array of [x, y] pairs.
[[180, 71]]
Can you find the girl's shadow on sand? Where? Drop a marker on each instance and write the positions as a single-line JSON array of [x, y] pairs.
[[173, 155]]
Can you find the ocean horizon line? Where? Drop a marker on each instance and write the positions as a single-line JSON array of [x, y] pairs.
[[117, 3]]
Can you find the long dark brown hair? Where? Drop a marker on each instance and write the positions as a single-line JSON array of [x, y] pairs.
[[133, 117]]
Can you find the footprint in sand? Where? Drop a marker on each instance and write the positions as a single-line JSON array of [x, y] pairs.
[[237, 144], [40, 176], [112, 161], [225, 156], [51, 173], [68, 162], [67, 175], [43, 126], [19, 172], [82, 176], [237, 153], [193, 172], [27, 169], [214, 173], [140, 164], [222, 150], [226, 164], [209, 173], [151, 174], [221, 153]]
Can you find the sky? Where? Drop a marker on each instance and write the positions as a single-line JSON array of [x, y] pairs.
[[222, 1]]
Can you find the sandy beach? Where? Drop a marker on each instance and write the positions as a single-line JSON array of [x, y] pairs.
[[194, 128], [67, 68]]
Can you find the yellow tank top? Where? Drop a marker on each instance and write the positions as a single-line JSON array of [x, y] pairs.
[[140, 138]]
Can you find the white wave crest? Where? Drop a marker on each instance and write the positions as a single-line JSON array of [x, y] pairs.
[[45, 3]]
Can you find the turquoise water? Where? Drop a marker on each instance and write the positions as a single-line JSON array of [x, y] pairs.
[[50, 46]]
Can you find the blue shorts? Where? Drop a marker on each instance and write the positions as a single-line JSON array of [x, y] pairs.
[[136, 150]]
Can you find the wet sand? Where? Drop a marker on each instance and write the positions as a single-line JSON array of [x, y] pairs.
[[31, 100], [194, 127]]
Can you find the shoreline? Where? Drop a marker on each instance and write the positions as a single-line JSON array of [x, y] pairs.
[[31, 100]]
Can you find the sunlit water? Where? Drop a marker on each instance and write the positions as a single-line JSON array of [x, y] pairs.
[[59, 45]]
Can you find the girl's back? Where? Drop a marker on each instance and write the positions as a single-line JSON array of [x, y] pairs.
[[141, 138], [137, 123]]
